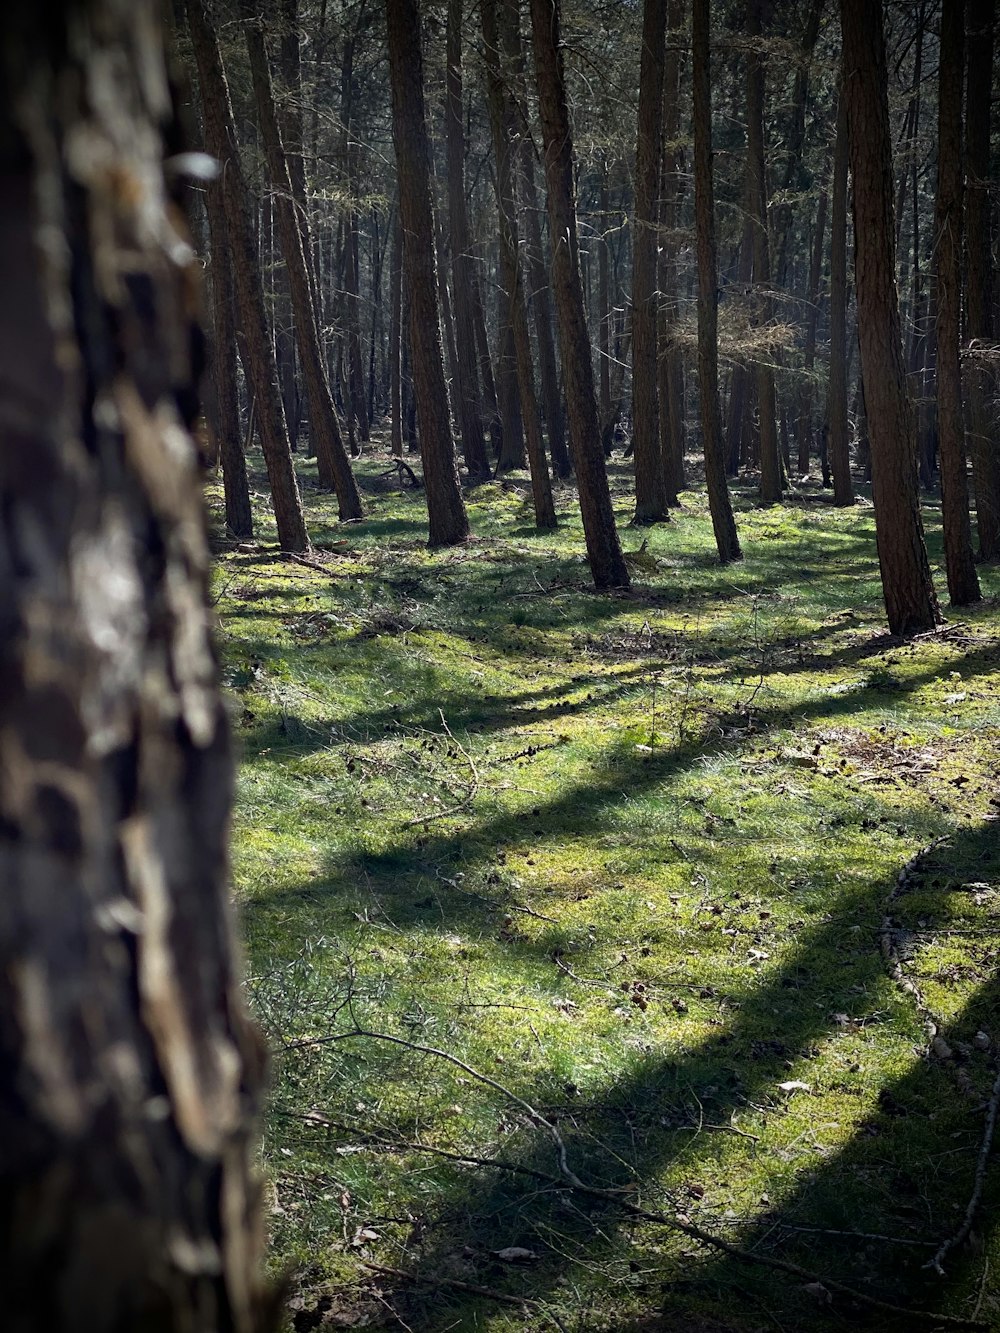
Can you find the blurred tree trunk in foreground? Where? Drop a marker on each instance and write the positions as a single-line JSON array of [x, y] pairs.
[[130, 1074]]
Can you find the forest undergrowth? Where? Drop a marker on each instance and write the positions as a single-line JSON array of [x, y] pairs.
[[584, 929]]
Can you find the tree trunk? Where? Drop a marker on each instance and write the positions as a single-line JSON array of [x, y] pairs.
[[236, 489], [604, 319], [352, 265], [470, 411], [508, 392], [607, 563], [324, 428], [449, 523], [131, 1075], [960, 566], [770, 463], [650, 491], [510, 17], [671, 365], [983, 435], [736, 410], [805, 426], [502, 125], [838, 442], [395, 339], [220, 137], [723, 523], [495, 426], [910, 602]]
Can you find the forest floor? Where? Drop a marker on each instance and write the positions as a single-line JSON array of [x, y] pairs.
[[586, 928]]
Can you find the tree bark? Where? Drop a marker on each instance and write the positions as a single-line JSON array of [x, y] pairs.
[[352, 265], [131, 1074], [650, 491], [607, 564], [838, 443], [960, 566], [220, 137], [804, 430], [723, 522], [983, 436], [910, 602], [449, 523], [502, 125], [324, 427], [470, 412]]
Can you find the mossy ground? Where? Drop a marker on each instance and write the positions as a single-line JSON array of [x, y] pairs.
[[628, 856]]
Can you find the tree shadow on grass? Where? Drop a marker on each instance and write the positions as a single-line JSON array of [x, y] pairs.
[[899, 1178]]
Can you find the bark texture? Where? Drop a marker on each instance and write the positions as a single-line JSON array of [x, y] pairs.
[[131, 1074], [446, 508], [960, 567], [607, 564], [723, 523], [910, 602], [324, 428]]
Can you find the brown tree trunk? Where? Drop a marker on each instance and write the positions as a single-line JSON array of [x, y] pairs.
[[502, 125], [770, 463], [352, 265], [736, 408], [470, 412], [983, 436], [508, 391], [541, 305], [723, 523], [909, 596], [236, 489], [220, 137], [604, 319], [495, 426], [650, 492], [131, 1075], [804, 430], [324, 427], [671, 366], [607, 564], [963, 583], [449, 523], [838, 441], [395, 339]]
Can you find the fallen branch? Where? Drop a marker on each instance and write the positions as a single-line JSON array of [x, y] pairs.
[[979, 1182], [681, 1223]]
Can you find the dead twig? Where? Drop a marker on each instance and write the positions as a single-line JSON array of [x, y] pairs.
[[978, 1183]]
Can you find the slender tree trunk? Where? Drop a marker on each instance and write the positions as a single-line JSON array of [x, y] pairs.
[[508, 393], [984, 438], [352, 255], [449, 523], [131, 1074], [470, 411], [910, 601], [606, 413], [495, 425], [671, 365], [723, 523], [805, 426], [796, 139], [220, 137], [607, 563], [838, 441], [736, 412], [236, 489], [395, 339], [502, 125], [541, 305], [650, 492], [323, 424], [963, 583], [770, 463]]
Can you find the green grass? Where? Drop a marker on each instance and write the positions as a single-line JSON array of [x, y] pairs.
[[628, 857]]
